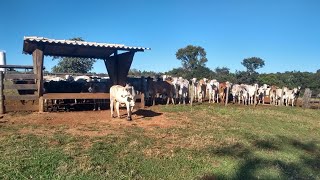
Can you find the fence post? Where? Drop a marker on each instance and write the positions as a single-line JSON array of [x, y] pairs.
[[227, 95], [255, 98], [1, 93], [281, 98], [191, 90], [142, 105], [306, 98]]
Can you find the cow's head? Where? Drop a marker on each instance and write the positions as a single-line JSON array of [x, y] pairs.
[[130, 100]]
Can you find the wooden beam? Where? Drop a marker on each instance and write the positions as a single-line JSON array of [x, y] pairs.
[[81, 96], [14, 108], [16, 66], [20, 76], [227, 95], [111, 68], [1, 93], [21, 86], [76, 96], [38, 67], [123, 66], [118, 67], [20, 97]]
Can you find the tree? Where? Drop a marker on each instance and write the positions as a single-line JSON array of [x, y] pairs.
[[192, 57], [73, 65], [222, 74], [252, 64], [199, 72]]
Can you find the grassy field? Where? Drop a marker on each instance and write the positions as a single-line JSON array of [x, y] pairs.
[[203, 142]]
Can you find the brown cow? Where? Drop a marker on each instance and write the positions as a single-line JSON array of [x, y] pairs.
[[161, 87], [272, 95], [222, 91]]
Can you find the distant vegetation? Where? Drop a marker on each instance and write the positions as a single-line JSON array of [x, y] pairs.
[[197, 68], [193, 64]]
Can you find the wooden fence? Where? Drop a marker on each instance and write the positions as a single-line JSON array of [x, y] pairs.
[[15, 101], [6, 100]]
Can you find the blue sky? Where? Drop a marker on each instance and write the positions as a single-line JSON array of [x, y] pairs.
[[285, 33]]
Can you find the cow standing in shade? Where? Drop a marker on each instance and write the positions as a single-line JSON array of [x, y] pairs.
[[124, 96]]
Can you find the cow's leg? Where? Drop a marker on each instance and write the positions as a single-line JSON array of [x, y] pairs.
[[153, 100], [117, 108], [111, 107], [128, 111], [94, 105]]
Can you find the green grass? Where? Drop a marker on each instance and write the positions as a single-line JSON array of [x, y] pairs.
[[208, 141]]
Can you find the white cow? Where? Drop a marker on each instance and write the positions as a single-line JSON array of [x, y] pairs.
[[243, 96], [194, 83], [49, 78], [261, 94], [281, 95], [183, 91], [235, 91], [251, 91], [124, 96], [82, 78], [291, 95]]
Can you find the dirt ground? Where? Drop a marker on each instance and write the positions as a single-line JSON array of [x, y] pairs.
[[85, 123]]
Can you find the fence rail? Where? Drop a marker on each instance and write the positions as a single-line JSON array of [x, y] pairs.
[[20, 76]]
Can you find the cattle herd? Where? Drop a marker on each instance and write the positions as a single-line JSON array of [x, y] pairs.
[[180, 90], [175, 90]]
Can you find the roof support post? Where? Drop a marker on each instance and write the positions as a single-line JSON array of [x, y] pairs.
[[118, 67], [37, 56]]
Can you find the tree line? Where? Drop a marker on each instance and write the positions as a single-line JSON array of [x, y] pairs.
[[193, 65]]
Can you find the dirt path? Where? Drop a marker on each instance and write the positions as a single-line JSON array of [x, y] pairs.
[[86, 123]]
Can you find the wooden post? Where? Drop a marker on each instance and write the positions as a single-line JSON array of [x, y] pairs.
[[227, 96], [255, 98], [142, 101], [306, 98], [191, 90], [118, 67], [1, 93], [37, 56], [281, 98]]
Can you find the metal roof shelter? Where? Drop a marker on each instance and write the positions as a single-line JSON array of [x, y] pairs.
[[117, 65]]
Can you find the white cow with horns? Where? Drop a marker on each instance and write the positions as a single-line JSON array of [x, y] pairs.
[[124, 96]]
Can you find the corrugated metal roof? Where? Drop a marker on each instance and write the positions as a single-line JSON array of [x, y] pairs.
[[82, 43]]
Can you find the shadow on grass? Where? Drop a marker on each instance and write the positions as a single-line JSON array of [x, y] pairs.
[[146, 113], [306, 167]]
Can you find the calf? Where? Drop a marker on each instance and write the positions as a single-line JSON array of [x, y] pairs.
[[122, 96]]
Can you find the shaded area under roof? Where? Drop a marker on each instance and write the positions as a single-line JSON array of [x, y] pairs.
[[69, 48]]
